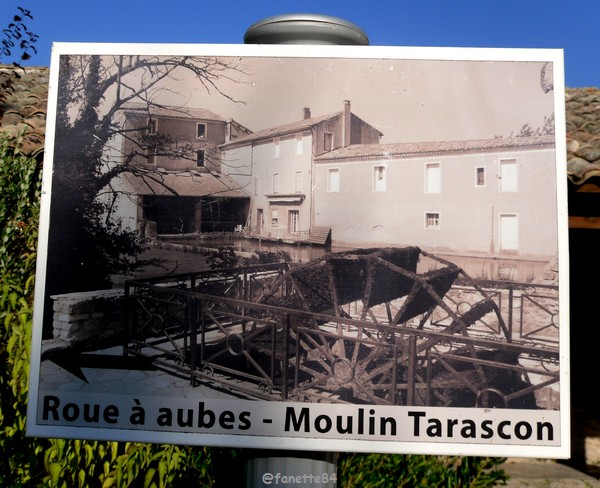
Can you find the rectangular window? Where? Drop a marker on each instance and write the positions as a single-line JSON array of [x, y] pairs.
[[200, 156], [298, 182], [432, 220], [379, 178], [328, 141], [200, 131], [480, 176], [433, 178], [259, 220], [275, 182], [299, 145], [509, 175], [509, 232], [294, 221], [152, 125], [274, 217], [333, 180], [276, 148]]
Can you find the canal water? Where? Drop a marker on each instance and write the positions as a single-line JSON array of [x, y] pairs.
[[476, 267]]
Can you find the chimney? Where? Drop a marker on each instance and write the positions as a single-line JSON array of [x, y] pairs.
[[346, 119], [306, 114], [228, 130]]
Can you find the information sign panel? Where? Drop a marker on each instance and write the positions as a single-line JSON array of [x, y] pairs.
[[269, 246]]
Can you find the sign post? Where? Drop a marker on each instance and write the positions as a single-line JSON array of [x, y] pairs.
[[318, 469]]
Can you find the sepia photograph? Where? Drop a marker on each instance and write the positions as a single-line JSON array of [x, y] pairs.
[[272, 245]]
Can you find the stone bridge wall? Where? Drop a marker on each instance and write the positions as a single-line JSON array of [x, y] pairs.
[[88, 315]]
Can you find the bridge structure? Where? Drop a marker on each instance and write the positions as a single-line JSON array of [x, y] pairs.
[[382, 326]]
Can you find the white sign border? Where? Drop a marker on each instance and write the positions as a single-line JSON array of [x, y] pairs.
[[554, 56]]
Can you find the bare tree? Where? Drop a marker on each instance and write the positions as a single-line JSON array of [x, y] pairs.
[[17, 42], [18, 37], [86, 246]]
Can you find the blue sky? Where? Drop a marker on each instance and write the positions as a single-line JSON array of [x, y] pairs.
[[571, 25]]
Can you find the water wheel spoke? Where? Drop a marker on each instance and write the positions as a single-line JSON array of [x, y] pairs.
[[380, 370], [356, 348], [317, 378], [367, 389], [323, 349]]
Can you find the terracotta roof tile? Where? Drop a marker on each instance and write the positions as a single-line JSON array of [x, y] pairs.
[[583, 134], [184, 184], [421, 149], [24, 106], [169, 111], [282, 130]]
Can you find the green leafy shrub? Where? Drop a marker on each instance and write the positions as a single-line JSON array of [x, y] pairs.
[[80, 463], [19, 213], [391, 471], [57, 463], [225, 257], [267, 257], [221, 258]]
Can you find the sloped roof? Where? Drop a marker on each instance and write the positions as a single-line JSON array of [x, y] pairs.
[[281, 130], [422, 149], [183, 184], [172, 112], [583, 134], [24, 105]]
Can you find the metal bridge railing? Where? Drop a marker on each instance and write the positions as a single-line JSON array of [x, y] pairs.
[[212, 328], [530, 310]]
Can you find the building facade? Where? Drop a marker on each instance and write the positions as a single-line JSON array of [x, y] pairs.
[[488, 197], [174, 183], [198, 172], [276, 167]]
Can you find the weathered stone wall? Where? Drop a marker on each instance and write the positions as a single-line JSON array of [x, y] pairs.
[[89, 315]]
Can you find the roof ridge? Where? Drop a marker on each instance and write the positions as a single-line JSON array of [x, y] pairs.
[[405, 149]]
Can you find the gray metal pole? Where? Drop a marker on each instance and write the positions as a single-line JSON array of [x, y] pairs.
[[298, 469]]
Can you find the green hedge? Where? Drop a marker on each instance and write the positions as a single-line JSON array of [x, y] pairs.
[[56, 462], [388, 470]]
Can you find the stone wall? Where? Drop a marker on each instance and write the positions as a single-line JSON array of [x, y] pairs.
[[88, 315]]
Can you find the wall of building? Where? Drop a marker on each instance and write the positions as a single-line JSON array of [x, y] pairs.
[[363, 133], [332, 126], [125, 207], [469, 214], [254, 167], [183, 132]]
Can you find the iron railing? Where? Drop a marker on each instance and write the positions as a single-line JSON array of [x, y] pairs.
[[211, 328]]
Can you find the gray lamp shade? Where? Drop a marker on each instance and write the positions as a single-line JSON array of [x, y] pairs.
[[305, 29]]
